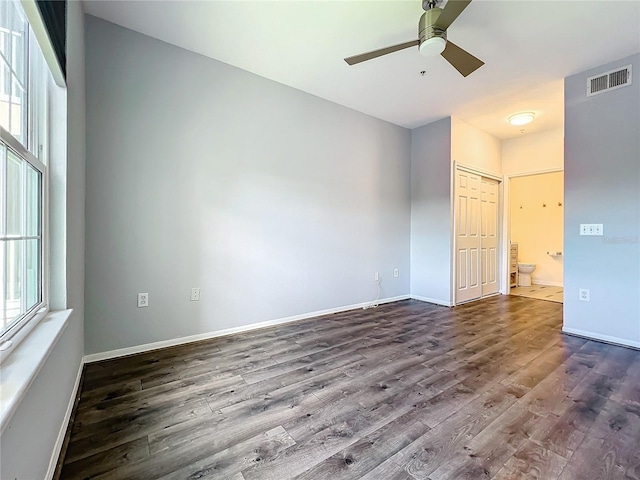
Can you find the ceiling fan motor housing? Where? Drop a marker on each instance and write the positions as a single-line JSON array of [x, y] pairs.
[[432, 38]]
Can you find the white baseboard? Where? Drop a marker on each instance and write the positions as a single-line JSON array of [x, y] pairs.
[[431, 300], [547, 283], [53, 462], [121, 352], [600, 337]]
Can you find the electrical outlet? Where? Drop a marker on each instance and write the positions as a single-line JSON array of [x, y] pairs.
[[396, 272], [195, 294], [143, 300], [584, 294], [377, 276]]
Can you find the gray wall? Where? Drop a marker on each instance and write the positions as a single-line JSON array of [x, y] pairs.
[[76, 163], [272, 201], [431, 211], [602, 185], [29, 439]]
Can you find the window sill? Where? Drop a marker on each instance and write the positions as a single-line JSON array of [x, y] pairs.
[[20, 368]]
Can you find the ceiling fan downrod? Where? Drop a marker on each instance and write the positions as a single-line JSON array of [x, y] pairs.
[[429, 4]]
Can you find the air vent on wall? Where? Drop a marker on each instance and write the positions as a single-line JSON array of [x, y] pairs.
[[609, 81]]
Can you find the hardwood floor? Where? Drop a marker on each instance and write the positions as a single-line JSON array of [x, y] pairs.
[[488, 390]]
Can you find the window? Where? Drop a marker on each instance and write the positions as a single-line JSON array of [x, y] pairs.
[[23, 174], [13, 77]]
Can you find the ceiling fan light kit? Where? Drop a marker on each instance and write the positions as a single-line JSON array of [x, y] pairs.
[[522, 118], [432, 38], [432, 47]]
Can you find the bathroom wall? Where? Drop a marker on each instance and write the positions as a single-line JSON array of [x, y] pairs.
[[537, 228]]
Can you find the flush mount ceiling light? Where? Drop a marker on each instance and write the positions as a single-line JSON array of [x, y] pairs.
[[522, 118]]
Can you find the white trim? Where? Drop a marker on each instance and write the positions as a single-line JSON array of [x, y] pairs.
[[431, 300], [477, 171], [21, 367], [547, 283], [452, 235], [504, 260], [533, 172], [57, 449], [121, 352], [506, 219], [506, 237], [602, 338], [20, 150]]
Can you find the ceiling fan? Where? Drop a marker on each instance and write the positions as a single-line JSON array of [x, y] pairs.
[[432, 38]]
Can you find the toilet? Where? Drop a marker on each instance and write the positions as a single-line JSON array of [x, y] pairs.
[[524, 274]]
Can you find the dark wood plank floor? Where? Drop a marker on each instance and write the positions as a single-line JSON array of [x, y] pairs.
[[488, 390]]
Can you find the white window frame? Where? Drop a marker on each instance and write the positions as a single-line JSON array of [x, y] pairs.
[[36, 139], [32, 317]]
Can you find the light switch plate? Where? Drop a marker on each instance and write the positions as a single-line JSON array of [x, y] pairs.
[[591, 229]]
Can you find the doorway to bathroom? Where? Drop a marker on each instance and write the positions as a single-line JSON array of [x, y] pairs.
[[536, 235]]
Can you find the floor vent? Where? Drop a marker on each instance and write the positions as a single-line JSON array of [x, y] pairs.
[[609, 81]]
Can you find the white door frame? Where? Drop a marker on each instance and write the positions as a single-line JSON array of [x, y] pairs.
[[506, 232], [455, 166]]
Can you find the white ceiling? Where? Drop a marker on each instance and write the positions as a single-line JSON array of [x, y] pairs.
[[528, 48]]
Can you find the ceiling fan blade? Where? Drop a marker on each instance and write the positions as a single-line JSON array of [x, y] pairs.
[[461, 60], [378, 53], [451, 10]]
